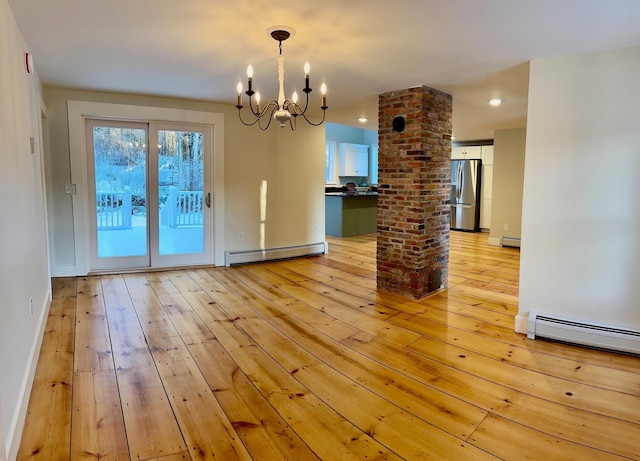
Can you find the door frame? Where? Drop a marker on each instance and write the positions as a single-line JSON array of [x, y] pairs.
[[78, 111]]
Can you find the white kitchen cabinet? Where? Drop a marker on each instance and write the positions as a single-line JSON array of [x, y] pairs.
[[466, 153], [353, 159]]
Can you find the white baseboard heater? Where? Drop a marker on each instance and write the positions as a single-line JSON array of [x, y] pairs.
[[510, 242], [585, 334], [253, 256]]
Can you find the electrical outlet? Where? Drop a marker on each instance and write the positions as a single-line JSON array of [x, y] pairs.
[[240, 236], [30, 307], [506, 227], [315, 228]]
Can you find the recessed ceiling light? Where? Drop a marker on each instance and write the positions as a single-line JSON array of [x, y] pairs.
[[495, 101], [363, 119]]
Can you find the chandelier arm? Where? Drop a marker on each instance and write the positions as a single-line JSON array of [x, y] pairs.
[[273, 103], [324, 113], [255, 114], [264, 108], [306, 104], [273, 107], [292, 107], [263, 128], [243, 122], [270, 107]]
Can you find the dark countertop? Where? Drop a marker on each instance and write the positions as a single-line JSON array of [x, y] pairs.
[[349, 195]]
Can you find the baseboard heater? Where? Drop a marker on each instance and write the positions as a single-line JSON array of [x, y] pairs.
[[510, 242], [585, 334], [253, 256]]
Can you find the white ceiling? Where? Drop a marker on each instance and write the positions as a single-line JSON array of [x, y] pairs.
[[199, 49]]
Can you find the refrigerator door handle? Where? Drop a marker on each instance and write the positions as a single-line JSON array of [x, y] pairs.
[[459, 182]]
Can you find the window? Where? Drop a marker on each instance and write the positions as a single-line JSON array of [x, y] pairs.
[[330, 163]]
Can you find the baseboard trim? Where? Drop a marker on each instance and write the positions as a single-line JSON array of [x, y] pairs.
[[511, 242], [522, 323], [3, 446], [14, 435], [252, 256], [494, 242], [65, 271]]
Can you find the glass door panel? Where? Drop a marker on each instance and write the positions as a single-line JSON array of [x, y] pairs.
[[181, 192], [118, 194]]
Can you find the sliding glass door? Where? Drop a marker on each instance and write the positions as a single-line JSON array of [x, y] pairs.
[[149, 199], [181, 195]]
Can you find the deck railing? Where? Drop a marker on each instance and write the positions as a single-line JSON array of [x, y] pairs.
[[113, 209], [183, 208]]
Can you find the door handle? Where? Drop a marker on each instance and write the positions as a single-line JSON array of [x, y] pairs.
[[207, 200]]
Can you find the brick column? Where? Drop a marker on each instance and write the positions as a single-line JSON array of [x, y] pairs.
[[414, 189]]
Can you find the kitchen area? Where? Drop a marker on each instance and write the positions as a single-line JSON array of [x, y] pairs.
[[351, 187], [351, 177]]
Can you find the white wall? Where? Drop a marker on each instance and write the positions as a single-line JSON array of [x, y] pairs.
[[344, 133], [508, 178], [23, 251], [291, 164], [581, 214]]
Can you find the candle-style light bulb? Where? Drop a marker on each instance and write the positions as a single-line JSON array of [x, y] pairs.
[[257, 101], [307, 68], [323, 91], [239, 88], [294, 97], [250, 77]]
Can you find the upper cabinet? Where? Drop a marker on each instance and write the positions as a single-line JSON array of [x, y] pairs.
[[466, 153], [353, 159]]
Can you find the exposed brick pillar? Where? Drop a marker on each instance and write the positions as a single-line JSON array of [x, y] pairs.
[[414, 189]]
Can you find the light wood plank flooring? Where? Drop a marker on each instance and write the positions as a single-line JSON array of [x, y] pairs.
[[305, 360]]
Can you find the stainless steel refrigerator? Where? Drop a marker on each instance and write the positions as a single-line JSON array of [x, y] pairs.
[[465, 194]]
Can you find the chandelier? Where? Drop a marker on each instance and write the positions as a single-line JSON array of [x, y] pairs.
[[283, 110]]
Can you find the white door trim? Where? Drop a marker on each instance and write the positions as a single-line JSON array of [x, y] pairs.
[[79, 110]]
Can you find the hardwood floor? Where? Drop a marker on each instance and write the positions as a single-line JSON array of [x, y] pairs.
[[304, 360]]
